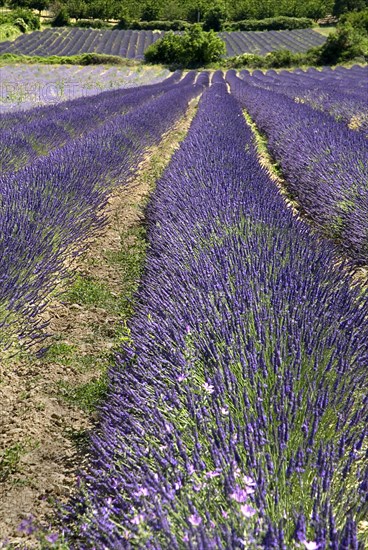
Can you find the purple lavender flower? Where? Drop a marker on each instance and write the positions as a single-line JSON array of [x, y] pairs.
[[195, 519], [247, 511]]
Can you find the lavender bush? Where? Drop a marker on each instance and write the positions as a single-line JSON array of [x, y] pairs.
[[32, 134], [325, 164], [341, 94], [237, 414]]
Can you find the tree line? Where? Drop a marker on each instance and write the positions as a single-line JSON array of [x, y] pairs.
[[192, 11]]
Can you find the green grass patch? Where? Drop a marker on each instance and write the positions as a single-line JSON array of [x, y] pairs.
[[325, 31], [89, 291], [85, 396], [261, 142], [61, 353], [129, 260], [9, 462]]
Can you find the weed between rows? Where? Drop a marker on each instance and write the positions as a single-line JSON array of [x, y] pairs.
[[9, 462]]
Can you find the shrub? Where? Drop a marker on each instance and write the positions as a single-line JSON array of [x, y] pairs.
[[343, 6], [100, 59], [345, 44], [214, 18], [192, 49], [278, 59], [357, 19], [150, 12], [176, 25], [21, 18], [349, 41], [91, 24], [21, 24], [270, 24]]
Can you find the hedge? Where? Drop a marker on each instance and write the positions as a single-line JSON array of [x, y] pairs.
[[270, 24]]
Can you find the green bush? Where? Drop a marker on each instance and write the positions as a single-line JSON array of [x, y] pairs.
[[176, 25], [124, 22], [91, 24], [344, 6], [343, 45], [357, 19], [8, 31], [150, 12], [270, 24], [21, 24], [214, 18], [349, 41], [100, 59], [194, 48], [31, 19], [22, 18], [272, 60]]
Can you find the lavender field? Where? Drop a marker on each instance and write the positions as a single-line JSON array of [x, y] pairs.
[[132, 44], [261, 43], [236, 409], [27, 86]]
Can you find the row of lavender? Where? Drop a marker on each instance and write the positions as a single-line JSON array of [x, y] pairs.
[[29, 135], [236, 416], [261, 43], [132, 44], [51, 204], [74, 41], [25, 86], [341, 92], [325, 163]]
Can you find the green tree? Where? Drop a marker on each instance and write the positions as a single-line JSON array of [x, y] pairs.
[[214, 17], [345, 44], [290, 8], [61, 18], [173, 9], [118, 11], [357, 19], [344, 6], [150, 12], [76, 9], [192, 49], [196, 10], [316, 9], [99, 9], [244, 10]]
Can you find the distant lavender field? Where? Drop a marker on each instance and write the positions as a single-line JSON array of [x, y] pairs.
[[132, 44], [297, 41], [27, 86]]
